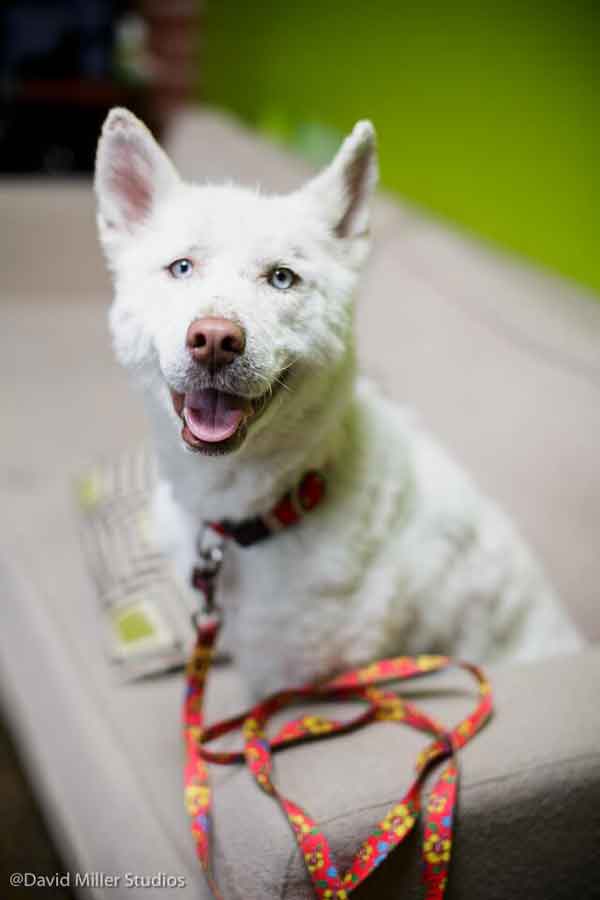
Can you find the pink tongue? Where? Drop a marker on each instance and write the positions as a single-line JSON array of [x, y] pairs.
[[212, 415]]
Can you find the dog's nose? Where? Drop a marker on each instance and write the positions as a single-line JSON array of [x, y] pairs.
[[215, 342]]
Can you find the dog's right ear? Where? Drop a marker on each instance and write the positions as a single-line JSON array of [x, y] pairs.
[[133, 174], [343, 189]]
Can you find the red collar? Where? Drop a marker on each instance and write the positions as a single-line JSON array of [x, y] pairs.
[[307, 494]]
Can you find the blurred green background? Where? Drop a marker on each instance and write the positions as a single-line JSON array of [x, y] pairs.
[[488, 115]]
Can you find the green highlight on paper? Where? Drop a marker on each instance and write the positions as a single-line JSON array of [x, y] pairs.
[[132, 624]]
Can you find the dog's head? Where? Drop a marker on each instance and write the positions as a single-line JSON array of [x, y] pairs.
[[234, 306]]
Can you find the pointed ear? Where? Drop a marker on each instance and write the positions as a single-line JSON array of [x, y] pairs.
[[132, 175], [344, 188]]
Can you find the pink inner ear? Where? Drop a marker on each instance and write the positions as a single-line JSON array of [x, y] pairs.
[[131, 180]]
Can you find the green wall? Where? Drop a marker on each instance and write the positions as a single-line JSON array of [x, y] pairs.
[[488, 114]]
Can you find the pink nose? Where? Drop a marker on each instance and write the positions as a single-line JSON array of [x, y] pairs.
[[215, 342]]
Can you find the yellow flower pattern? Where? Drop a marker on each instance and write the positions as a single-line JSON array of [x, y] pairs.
[[251, 728], [465, 728], [299, 824], [316, 725], [365, 853], [436, 849], [368, 673], [196, 797], [427, 663], [437, 804], [399, 820], [391, 709], [314, 860]]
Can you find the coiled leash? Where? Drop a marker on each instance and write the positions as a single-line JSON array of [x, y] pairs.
[[367, 685]]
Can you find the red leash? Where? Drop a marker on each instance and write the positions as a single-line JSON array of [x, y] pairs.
[[368, 685]]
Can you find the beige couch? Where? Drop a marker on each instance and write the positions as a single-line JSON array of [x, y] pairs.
[[502, 362]]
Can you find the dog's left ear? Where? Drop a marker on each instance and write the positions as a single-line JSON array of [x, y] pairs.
[[344, 188]]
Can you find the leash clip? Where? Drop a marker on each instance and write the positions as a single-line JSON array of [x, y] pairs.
[[209, 549]]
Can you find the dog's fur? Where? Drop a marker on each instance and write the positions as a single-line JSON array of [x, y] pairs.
[[405, 556]]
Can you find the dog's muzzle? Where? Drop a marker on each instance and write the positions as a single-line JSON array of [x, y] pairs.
[[217, 406]]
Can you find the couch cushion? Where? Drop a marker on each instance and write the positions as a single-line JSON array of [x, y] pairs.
[[107, 758]]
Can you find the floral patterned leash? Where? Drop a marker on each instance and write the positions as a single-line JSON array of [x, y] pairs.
[[368, 685]]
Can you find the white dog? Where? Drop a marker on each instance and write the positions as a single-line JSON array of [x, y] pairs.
[[235, 309]]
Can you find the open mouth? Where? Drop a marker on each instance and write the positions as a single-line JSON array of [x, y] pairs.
[[215, 422]]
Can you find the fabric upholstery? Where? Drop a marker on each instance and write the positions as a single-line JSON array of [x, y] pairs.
[[501, 363]]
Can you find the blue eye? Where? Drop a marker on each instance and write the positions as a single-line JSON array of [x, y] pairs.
[[181, 268], [282, 278]]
